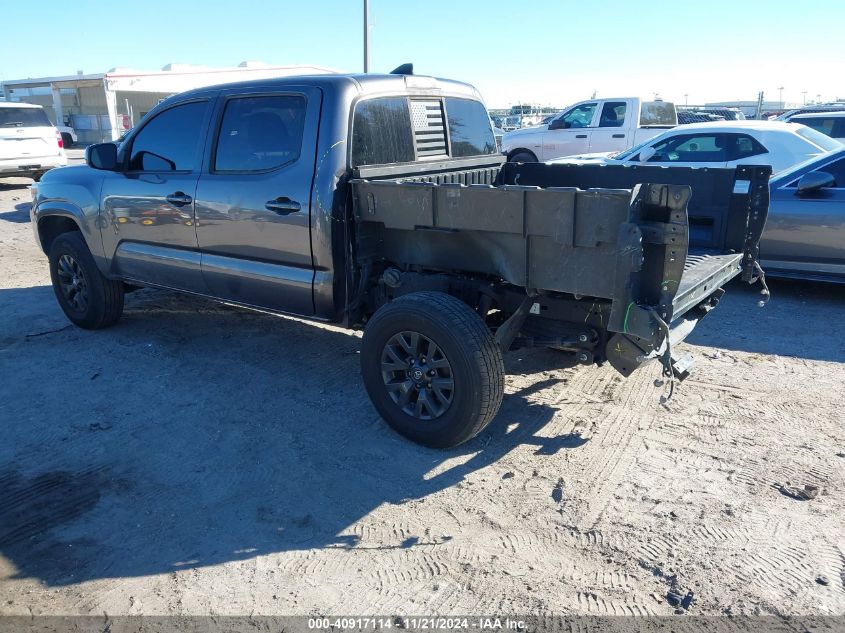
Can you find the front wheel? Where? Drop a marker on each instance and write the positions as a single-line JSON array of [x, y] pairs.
[[87, 298], [432, 369]]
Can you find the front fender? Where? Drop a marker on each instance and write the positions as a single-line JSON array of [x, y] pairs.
[[83, 211]]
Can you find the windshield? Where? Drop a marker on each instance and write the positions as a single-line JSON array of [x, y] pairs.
[[23, 117], [818, 139], [636, 148], [789, 174]]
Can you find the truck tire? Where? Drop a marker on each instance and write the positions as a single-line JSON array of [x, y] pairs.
[[67, 140], [87, 298], [432, 369], [522, 156]]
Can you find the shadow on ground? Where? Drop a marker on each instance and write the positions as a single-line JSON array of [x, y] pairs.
[[20, 215], [801, 319], [193, 434]]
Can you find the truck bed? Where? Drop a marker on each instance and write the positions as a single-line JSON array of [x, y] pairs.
[[548, 229]]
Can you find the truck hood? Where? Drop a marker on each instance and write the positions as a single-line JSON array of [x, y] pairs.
[[511, 139], [74, 174]]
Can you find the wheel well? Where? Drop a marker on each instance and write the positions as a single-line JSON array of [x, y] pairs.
[[521, 150], [51, 227]]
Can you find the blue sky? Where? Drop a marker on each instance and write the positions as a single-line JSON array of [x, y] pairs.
[[540, 51]]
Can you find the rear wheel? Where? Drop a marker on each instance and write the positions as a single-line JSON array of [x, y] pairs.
[[87, 298], [432, 369], [67, 140]]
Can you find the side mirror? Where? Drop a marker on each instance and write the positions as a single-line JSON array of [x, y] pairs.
[[813, 181], [102, 156], [646, 154], [558, 124]]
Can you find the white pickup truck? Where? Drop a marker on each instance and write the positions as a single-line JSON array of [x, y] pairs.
[[596, 125]]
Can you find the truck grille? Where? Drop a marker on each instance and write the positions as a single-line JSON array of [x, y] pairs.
[[429, 128]]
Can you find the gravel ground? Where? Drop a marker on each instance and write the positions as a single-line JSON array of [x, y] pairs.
[[200, 459]]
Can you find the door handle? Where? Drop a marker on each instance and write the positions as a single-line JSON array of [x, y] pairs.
[[618, 136], [580, 136], [179, 199], [282, 206]]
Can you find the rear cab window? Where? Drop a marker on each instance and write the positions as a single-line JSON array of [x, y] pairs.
[[404, 129], [658, 114], [24, 117]]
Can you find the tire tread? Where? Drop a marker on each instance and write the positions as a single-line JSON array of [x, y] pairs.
[[486, 354]]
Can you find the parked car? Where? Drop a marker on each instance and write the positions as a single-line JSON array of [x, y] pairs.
[[29, 144], [830, 123], [818, 107], [244, 194], [498, 133], [805, 232], [724, 144], [597, 125], [725, 113], [689, 116], [68, 134]]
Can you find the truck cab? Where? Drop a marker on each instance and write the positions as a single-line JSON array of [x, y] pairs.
[[595, 125]]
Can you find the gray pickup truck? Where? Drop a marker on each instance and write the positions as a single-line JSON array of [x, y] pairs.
[[381, 201]]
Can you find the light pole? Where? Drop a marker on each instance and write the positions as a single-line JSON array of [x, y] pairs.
[[804, 94], [366, 36], [686, 99], [780, 97]]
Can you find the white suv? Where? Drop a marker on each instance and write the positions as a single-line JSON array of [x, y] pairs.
[[29, 143]]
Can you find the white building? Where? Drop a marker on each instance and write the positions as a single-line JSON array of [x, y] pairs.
[[103, 106]]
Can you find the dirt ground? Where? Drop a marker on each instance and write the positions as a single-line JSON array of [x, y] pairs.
[[201, 459]]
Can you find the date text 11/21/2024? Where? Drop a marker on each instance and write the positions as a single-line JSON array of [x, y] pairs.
[[434, 623]]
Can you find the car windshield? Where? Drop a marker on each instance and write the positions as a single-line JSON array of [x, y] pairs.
[[789, 174], [636, 148], [818, 139], [23, 117]]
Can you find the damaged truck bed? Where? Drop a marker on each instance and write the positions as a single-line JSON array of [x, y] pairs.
[[619, 273]]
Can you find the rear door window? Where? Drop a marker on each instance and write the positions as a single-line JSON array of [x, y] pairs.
[[24, 117], [381, 132], [170, 140], [470, 132], [744, 146], [612, 114], [260, 133]]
